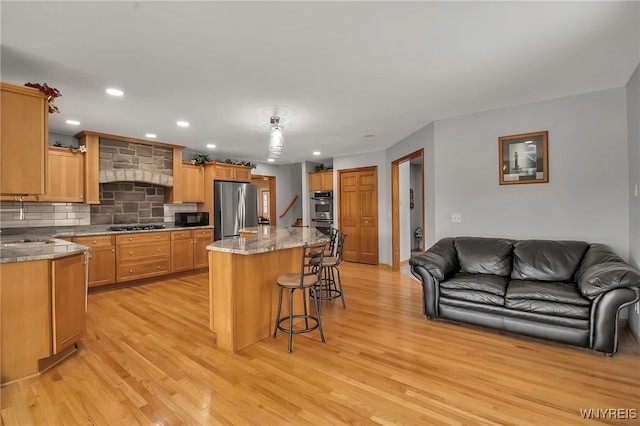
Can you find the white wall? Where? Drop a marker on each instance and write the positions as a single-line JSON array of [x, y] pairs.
[[405, 214], [633, 133], [376, 158], [421, 139], [586, 197], [416, 211], [288, 183]]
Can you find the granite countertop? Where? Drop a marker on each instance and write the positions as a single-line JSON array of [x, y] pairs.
[[24, 244], [83, 230], [26, 247], [269, 238]]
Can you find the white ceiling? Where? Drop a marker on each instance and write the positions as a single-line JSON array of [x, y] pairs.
[[334, 71]]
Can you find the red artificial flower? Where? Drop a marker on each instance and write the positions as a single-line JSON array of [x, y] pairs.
[[50, 92]]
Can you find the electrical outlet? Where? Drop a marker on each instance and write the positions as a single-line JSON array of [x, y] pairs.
[[635, 191], [456, 217]]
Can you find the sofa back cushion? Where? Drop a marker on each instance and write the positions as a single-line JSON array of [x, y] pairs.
[[478, 255], [546, 260]]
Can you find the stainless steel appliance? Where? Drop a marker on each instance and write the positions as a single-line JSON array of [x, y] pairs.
[[192, 219], [322, 211], [235, 207], [323, 225], [322, 205]]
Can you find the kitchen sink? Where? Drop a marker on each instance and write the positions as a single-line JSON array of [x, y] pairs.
[[27, 242]]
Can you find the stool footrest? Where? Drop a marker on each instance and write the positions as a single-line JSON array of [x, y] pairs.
[[298, 330]]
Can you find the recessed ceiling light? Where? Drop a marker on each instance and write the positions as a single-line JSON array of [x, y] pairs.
[[316, 153], [271, 160], [73, 122], [368, 136], [151, 135], [183, 123], [210, 145], [115, 92]]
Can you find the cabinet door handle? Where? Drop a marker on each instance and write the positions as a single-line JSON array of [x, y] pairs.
[[131, 271], [182, 235], [158, 266], [158, 250], [113, 250], [158, 236], [130, 239], [94, 241], [130, 253]]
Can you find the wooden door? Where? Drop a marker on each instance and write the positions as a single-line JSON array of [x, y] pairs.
[[358, 204], [69, 297]]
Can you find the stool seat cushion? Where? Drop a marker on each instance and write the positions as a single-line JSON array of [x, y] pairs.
[[293, 280]]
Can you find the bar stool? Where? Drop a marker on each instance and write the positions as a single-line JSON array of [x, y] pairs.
[[330, 287], [333, 233], [307, 279]]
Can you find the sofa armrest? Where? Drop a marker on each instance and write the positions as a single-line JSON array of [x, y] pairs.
[[441, 260], [604, 317], [603, 277]]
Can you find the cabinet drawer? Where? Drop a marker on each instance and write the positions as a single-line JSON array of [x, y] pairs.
[[136, 252], [145, 269], [180, 235], [95, 241], [142, 237], [203, 233]]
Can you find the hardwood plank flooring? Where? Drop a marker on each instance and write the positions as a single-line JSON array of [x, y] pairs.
[[148, 357]]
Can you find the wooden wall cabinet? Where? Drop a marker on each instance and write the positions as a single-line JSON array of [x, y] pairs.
[[232, 172], [192, 183], [321, 181], [102, 262], [24, 134], [65, 171], [188, 249], [43, 310], [142, 255]]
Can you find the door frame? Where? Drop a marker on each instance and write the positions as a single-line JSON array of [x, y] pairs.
[[272, 196], [395, 205]]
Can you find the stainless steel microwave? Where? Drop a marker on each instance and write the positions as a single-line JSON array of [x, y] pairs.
[[192, 219]]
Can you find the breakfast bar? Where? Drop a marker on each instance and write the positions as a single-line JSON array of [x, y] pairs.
[[243, 294]]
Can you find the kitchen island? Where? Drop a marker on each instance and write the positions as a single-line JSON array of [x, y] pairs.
[[243, 294]]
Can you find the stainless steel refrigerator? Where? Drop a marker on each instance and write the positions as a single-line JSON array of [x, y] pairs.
[[235, 206]]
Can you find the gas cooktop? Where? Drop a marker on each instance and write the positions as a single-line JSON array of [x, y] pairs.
[[139, 227]]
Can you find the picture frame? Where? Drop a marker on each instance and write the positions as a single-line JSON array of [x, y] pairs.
[[523, 158]]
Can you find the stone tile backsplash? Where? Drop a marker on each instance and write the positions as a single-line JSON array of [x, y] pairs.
[[44, 214]]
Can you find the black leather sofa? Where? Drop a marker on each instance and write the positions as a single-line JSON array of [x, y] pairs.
[[565, 291]]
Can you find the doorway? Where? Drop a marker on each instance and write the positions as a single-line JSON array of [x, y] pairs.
[[358, 213], [403, 194], [266, 198]]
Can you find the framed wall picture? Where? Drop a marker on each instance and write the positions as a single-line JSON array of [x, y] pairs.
[[523, 158]]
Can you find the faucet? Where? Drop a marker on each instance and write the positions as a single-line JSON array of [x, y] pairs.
[[21, 208]]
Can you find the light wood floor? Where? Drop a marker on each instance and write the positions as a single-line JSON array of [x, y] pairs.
[[148, 358]]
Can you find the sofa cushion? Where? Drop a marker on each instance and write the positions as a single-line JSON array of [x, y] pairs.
[[545, 260], [549, 298], [480, 288], [478, 255]]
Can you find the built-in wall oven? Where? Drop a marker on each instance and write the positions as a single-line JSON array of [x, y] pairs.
[[322, 211], [322, 205]]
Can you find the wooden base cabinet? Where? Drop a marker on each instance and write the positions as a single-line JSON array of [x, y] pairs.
[[142, 255], [69, 300], [188, 249], [102, 262], [42, 308]]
